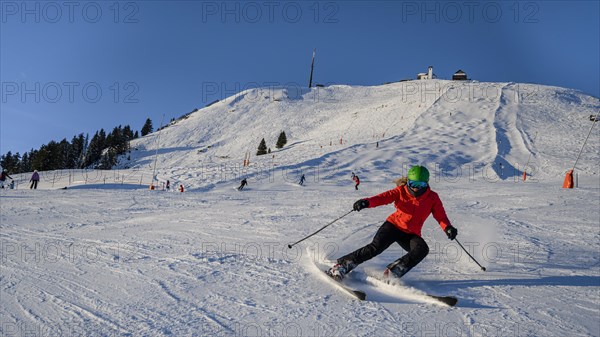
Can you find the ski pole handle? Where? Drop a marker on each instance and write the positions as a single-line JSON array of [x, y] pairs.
[[472, 258], [322, 228]]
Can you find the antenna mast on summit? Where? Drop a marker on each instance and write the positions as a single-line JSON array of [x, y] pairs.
[[312, 67]]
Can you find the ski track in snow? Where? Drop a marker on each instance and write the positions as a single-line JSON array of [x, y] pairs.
[[112, 258]]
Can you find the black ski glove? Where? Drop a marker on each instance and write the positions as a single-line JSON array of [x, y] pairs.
[[451, 232], [362, 203]]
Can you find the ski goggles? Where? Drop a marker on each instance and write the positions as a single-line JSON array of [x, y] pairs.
[[417, 184]]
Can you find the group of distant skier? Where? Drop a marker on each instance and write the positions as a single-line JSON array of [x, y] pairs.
[[35, 178], [244, 183], [168, 186], [354, 177]]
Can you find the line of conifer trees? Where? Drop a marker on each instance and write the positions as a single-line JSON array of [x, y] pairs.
[[101, 152]]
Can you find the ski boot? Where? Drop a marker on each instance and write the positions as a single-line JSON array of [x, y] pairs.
[[397, 268], [339, 270]]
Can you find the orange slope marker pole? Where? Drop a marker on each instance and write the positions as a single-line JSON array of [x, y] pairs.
[[568, 182]]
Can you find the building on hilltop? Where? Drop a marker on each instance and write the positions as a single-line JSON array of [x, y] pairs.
[[426, 76], [459, 75]]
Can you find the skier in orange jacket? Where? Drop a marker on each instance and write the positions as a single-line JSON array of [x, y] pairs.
[[414, 202]]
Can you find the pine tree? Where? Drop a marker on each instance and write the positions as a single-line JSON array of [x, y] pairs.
[[75, 152], [128, 132], [108, 160], [97, 144], [262, 148], [41, 159], [25, 165], [17, 160], [86, 148], [64, 148], [147, 128], [9, 162], [281, 141]]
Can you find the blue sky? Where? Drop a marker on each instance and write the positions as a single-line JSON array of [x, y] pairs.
[[72, 67]]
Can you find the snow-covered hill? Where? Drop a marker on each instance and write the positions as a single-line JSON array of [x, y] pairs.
[[109, 257], [491, 130]]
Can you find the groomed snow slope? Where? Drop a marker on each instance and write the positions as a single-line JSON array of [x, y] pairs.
[[491, 130], [111, 262]]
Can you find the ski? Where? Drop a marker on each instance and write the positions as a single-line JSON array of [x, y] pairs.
[[359, 294], [319, 264], [448, 300]]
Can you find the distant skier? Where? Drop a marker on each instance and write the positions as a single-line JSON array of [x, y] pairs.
[[242, 184], [302, 180], [356, 181], [168, 186], [414, 202], [3, 177], [181, 189], [35, 178]]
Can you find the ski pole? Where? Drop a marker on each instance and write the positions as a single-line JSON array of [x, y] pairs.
[[322, 228], [472, 258]]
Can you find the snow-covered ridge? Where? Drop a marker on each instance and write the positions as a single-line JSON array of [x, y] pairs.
[[492, 129]]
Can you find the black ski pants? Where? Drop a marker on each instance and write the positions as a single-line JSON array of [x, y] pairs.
[[386, 235]]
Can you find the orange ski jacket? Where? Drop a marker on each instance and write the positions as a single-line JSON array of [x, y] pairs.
[[411, 212]]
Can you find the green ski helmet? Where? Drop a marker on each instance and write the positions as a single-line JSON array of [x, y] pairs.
[[418, 173]]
